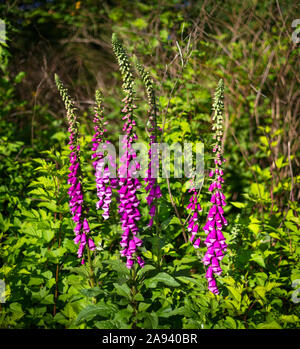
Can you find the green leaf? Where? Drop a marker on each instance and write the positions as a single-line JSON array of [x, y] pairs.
[[236, 293], [168, 312], [290, 319], [35, 281], [141, 273], [122, 290], [269, 325], [91, 311], [143, 306], [16, 309], [49, 299], [92, 292], [140, 23], [230, 322], [48, 235], [258, 258], [107, 324], [163, 34], [19, 77], [118, 266], [50, 205], [260, 292], [138, 297], [162, 277], [238, 204]]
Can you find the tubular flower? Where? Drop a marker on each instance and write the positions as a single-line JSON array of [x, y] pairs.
[[193, 225], [128, 206], [152, 188], [215, 241], [75, 191], [104, 183]]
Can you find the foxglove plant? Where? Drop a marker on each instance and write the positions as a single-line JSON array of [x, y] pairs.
[[104, 181], [193, 222], [76, 203], [215, 240], [152, 188], [129, 184]]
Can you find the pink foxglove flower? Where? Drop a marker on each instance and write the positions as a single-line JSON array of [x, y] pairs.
[[215, 241], [193, 225], [76, 203], [104, 181], [128, 183], [152, 188]]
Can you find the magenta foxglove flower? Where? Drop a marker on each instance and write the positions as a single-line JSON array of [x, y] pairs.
[[215, 241], [104, 181], [127, 172], [193, 225], [152, 188], [76, 203]]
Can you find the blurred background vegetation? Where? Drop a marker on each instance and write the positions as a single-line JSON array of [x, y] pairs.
[[187, 46]]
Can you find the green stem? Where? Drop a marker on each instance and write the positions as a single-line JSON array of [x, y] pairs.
[[133, 293], [91, 273]]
